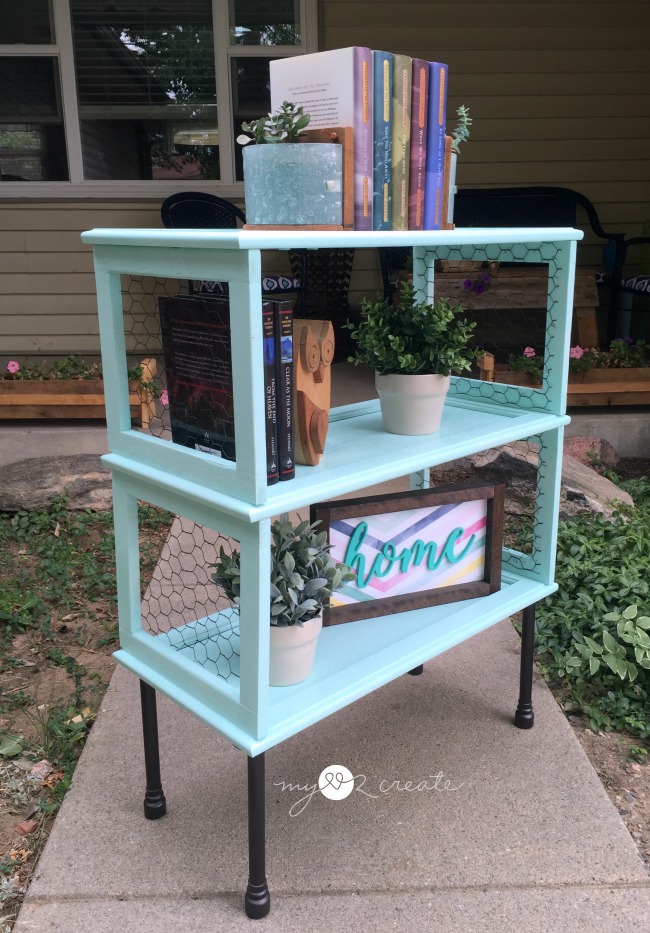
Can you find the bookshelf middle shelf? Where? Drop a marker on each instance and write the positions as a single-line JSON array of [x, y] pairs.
[[359, 454]]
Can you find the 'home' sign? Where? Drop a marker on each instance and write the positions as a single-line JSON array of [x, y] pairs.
[[414, 549]]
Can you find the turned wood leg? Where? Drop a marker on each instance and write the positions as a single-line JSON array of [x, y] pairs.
[[524, 717], [257, 902], [155, 805]]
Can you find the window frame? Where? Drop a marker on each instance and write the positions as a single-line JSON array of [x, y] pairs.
[[77, 188]]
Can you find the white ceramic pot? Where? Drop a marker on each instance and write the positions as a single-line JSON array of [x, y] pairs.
[[293, 648], [452, 188], [411, 404]]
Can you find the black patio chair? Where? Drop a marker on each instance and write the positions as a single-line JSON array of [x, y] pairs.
[[532, 206], [628, 283], [192, 210], [320, 278]]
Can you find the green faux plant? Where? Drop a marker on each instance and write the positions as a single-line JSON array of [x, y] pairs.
[[303, 574], [286, 126], [460, 133], [411, 337]]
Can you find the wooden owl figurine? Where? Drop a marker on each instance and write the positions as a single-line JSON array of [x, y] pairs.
[[313, 343]]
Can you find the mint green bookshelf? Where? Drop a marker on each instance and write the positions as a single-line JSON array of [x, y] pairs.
[[232, 693]]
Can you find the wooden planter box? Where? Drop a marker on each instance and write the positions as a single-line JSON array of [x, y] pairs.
[[595, 387], [517, 289], [38, 399]]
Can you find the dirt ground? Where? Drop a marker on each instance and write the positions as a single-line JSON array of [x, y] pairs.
[[625, 778]]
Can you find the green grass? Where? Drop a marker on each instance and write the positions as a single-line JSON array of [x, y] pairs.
[[58, 595]]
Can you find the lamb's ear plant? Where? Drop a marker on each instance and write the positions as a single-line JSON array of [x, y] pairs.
[[411, 337], [303, 573], [285, 126]]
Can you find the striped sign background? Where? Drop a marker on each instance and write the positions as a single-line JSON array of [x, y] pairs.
[[461, 525], [403, 529]]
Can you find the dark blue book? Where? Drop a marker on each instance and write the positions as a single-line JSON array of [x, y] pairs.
[[283, 314], [437, 118], [270, 393]]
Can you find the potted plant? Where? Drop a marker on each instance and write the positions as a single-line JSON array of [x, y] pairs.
[[414, 347], [303, 577], [288, 182], [459, 135], [71, 388]]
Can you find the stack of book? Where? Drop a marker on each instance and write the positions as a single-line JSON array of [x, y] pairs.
[[397, 108], [196, 344]]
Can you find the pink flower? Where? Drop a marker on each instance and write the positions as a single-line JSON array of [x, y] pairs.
[[529, 352], [13, 367], [164, 397], [576, 353]]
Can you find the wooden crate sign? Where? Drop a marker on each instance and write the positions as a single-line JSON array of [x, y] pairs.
[[414, 549]]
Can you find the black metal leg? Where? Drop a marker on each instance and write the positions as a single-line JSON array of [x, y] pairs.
[[417, 670], [258, 900], [524, 717], [155, 804]]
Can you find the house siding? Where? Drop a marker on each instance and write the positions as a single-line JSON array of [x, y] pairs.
[[559, 93]]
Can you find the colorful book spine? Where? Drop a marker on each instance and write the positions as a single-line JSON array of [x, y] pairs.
[[382, 66], [362, 138], [335, 89], [402, 67], [270, 393], [417, 166], [283, 327], [437, 119]]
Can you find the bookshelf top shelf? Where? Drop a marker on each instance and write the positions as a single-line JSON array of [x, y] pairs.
[[311, 239]]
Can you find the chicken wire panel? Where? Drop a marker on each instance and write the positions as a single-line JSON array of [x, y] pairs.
[[511, 293], [181, 342], [182, 606], [521, 467]]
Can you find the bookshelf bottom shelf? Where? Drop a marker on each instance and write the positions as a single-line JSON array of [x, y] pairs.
[[344, 670]]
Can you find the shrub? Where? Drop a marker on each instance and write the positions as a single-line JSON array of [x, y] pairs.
[[592, 635]]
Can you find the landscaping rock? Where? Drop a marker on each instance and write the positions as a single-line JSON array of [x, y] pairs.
[[591, 450], [585, 490], [33, 484], [515, 466]]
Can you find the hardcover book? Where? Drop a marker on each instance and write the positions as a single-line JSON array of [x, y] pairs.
[[402, 67], [335, 89], [195, 334], [382, 64], [270, 393], [419, 105], [437, 118], [283, 331]]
